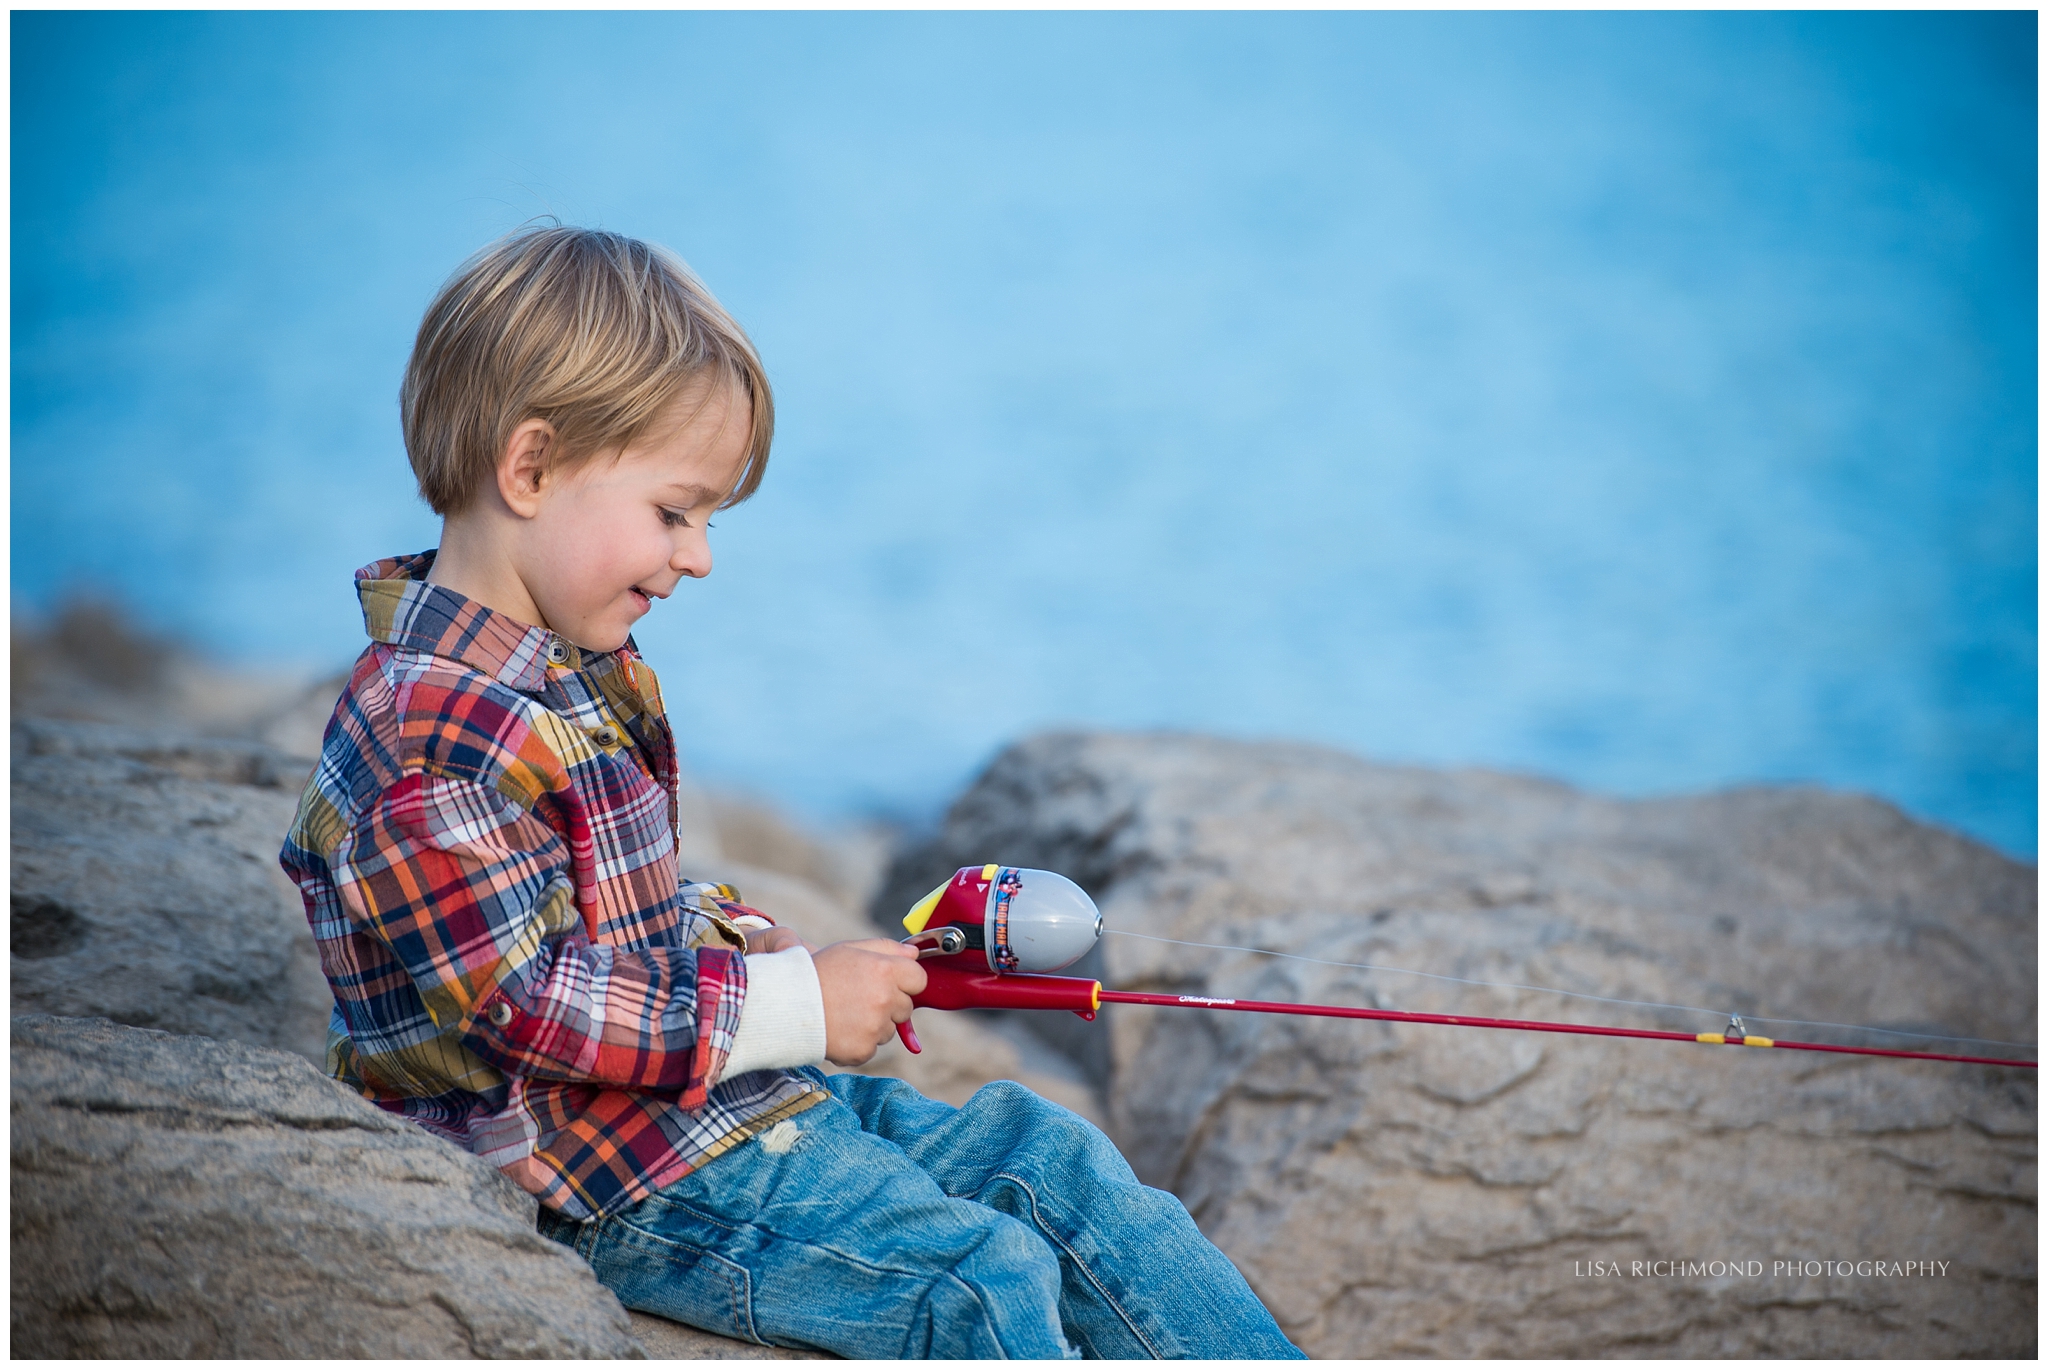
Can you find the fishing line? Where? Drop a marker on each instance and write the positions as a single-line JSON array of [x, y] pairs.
[[1891, 1032], [1568, 993]]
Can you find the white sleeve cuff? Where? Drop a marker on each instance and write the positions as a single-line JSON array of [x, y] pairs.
[[752, 920], [782, 1019]]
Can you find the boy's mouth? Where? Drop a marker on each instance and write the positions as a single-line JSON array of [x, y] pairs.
[[643, 599]]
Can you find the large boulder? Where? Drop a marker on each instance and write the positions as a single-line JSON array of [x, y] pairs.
[[183, 1197], [1407, 1190]]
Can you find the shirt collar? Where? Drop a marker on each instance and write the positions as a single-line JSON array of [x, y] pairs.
[[402, 609]]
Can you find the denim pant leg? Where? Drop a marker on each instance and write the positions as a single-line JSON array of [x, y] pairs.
[[1137, 1277], [839, 1243]]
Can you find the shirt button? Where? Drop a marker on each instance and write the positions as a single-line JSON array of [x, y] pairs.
[[606, 735], [558, 651], [501, 1013]]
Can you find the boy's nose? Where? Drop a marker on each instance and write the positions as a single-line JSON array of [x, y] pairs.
[[692, 558]]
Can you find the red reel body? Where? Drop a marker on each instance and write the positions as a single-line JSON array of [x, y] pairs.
[[981, 932]]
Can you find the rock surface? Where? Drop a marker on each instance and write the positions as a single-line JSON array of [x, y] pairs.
[[178, 1197], [146, 887], [1405, 1190]]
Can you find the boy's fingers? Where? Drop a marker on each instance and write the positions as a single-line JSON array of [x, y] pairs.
[[911, 978], [908, 974], [886, 946], [772, 940], [881, 946]]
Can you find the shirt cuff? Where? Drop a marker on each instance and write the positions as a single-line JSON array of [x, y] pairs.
[[782, 1019]]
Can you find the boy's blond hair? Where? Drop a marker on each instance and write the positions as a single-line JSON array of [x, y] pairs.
[[595, 332]]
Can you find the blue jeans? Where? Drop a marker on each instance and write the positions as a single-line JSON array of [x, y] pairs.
[[897, 1227]]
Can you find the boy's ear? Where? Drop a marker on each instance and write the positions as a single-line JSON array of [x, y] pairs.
[[523, 466]]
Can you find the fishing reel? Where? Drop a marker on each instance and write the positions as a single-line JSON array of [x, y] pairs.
[[987, 934], [1004, 919]]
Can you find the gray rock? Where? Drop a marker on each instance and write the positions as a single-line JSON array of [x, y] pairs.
[[146, 887], [183, 1197], [1407, 1190]]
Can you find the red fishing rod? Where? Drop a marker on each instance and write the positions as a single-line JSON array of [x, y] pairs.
[[986, 933]]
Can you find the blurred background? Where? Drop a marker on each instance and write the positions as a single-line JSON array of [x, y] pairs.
[[1643, 400]]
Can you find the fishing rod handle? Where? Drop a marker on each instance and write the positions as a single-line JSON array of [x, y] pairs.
[[949, 987]]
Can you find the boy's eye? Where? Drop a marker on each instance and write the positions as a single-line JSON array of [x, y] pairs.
[[671, 519]]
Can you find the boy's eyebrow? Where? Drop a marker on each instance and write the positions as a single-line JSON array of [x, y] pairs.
[[697, 493]]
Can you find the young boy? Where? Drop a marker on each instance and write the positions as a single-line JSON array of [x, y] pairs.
[[487, 854]]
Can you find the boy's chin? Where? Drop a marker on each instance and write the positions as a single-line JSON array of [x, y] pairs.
[[600, 639]]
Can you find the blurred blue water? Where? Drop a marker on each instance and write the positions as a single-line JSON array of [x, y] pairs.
[[1647, 400]]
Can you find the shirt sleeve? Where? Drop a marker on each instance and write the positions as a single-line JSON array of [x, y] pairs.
[[472, 893]]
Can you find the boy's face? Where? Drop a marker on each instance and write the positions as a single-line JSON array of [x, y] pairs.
[[611, 537]]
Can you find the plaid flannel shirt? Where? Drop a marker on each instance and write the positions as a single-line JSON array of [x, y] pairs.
[[487, 855]]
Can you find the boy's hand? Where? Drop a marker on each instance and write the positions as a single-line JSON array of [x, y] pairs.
[[761, 940], [866, 986]]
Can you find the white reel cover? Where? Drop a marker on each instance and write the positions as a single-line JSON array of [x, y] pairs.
[[1038, 921]]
